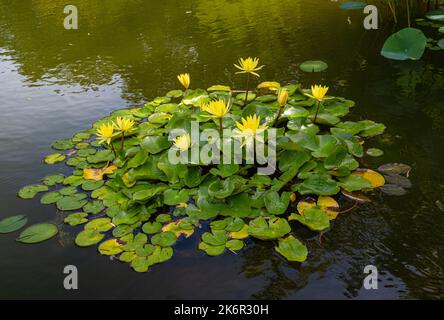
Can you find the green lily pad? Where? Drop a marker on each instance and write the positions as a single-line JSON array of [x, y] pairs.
[[355, 183], [38, 233], [212, 250], [67, 191], [94, 207], [321, 185], [101, 156], [29, 192], [292, 249], [174, 197], [54, 158], [216, 238], [276, 204], [100, 224], [52, 180], [264, 229], [110, 247], [235, 244], [435, 15], [14, 223], [63, 144], [406, 44], [313, 66], [87, 238], [374, 152], [164, 239], [151, 227], [90, 185], [75, 219], [68, 203], [315, 219], [50, 197]]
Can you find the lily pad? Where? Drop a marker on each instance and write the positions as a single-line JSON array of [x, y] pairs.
[[292, 249], [52, 180], [14, 223], [164, 239], [406, 44], [54, 158], [38, 233], [212, 250], [315, 219], [75, 219], [374, 152], [273, 228], [110, 247], [29, 192], [235, 245], [151, 227], [87, 238], [63, 144], [50, 197], [313, 66]]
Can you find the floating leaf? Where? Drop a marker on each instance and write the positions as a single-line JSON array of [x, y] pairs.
[[435, 15], [88, 238], [241, 234], [110, 247], [320, 185], [394, 168], [94, 207], [63, 144], [292, 249], [90, 185], [355, 183], [151, 227], [315, 219], [408, 43], [216, 238], [276, 204], [50, 197], [235, 245], [52, 180], [75, 219], [313, 66], [14, 223], [329, 205], [54, 158], [29, 192], [373, 177], [164, 239], [38, 233], [374, 152], [68, 203], [174, 197], [212, 250], [274, 228], [100, 224], [393, 190]]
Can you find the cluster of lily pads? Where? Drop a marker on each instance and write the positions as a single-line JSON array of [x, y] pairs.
[[136, 205]]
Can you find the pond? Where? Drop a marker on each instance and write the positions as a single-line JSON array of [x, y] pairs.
[[55, 82]]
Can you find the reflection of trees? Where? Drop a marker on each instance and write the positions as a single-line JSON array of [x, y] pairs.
[[143, 42]]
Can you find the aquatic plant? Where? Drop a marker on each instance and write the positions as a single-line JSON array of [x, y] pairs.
[[136, 205]]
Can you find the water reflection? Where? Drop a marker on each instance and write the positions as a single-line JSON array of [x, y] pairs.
[[126, 52]]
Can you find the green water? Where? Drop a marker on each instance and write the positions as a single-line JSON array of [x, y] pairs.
[[55, 82]]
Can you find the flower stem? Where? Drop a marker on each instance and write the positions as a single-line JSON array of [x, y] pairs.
[[278, 115], [113, 149], [246, 93], [123, 140], [220, 123], [317, 111]]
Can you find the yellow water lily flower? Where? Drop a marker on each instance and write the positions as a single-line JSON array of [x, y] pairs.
[[183, 142], [318, 92], [184, 79], [217, 108], [249, 65], [251, 126], [123, 124], [105, 133], [282, 97]]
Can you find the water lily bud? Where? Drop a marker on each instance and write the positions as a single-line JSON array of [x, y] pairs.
[[282, 97]]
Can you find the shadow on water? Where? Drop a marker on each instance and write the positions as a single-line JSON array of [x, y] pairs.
[[56, 82]]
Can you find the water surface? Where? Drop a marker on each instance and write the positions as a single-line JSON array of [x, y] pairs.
[[56, 82]]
